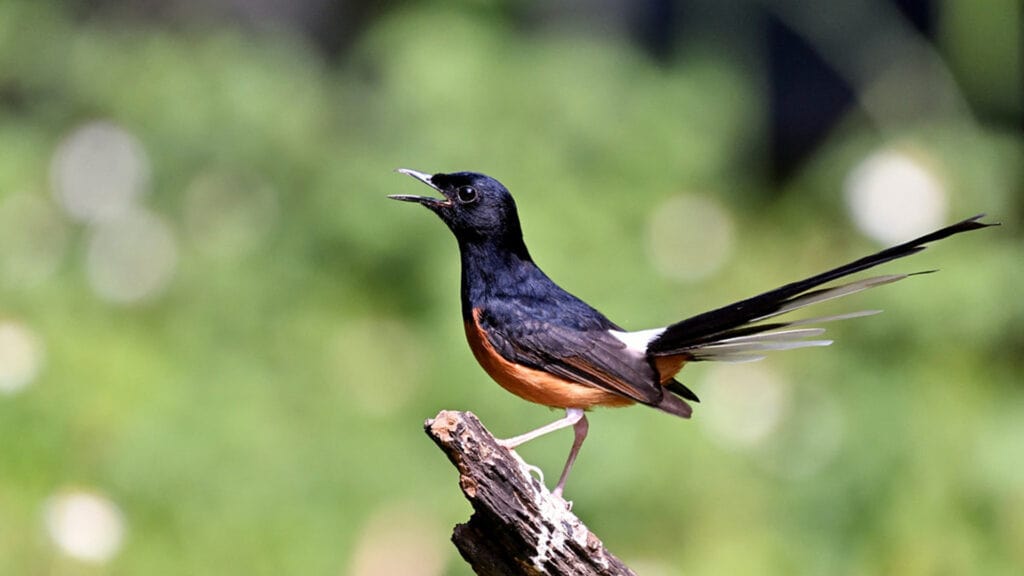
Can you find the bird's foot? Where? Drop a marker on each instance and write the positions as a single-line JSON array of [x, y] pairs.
[[557, 493], [535, 471], [531, 470]]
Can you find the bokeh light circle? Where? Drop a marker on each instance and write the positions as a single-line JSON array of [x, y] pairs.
[[85, 525], [894, 196], [743, 404], [689, 237], [98, 171], [131, 258], [21, 356]]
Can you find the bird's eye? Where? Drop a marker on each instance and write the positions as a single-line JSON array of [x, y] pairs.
[[466, 194]]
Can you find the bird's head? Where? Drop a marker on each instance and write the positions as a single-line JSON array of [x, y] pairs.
[[476, 207]]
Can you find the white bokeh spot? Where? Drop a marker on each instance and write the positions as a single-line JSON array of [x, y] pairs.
[[689, 237], [21, 356], [893, 196], [744, 404], [99, 171], [131, 258], [85, 525]]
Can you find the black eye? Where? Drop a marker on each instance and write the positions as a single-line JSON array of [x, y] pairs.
[[466, 194]]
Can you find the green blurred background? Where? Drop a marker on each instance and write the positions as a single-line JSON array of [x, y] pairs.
[[219, 341]]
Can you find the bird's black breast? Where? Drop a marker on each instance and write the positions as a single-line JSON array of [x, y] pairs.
[[532, 322], [512, 290]]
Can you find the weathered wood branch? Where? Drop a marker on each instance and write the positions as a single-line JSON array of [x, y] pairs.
[[517, 526]]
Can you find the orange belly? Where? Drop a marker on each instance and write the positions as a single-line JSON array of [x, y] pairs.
[[669, 366], [535, 385]]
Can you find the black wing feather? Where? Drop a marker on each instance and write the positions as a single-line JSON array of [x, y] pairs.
[[588, 357]]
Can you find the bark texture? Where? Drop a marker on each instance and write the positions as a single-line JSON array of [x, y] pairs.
[[517, 526]]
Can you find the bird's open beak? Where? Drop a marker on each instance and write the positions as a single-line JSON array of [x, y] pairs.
[[427, 201]]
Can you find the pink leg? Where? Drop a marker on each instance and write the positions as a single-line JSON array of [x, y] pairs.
[[580, 430], [572, 416]]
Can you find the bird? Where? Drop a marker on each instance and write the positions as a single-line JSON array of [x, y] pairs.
[[547, 346]]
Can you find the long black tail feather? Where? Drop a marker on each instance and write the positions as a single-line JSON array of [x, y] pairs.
[[737, 319]]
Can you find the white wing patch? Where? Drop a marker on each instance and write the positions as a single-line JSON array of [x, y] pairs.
[[637, 342], [748, 348]]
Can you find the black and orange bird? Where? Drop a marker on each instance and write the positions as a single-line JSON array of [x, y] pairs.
[[547, 346]]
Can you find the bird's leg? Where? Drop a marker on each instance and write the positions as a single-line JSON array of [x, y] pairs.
[[572, 416], [580, 430]]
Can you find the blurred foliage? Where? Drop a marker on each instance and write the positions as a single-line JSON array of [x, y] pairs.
[[258, 413]]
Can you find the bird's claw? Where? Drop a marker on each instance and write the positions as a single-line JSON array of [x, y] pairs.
[[535, 471]]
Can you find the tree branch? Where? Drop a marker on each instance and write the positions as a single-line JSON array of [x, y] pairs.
[[517, 526]]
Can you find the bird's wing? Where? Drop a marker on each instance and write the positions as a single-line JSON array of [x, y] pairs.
[[592, 357]]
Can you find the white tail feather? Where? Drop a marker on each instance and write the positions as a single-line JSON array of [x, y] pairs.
[[765, 346], [823, 319], [832, 293], [738, 348], [730, 358], [781, 335]]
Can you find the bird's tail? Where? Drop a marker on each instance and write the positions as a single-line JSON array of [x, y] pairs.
[[738, 332], [674, 404]]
